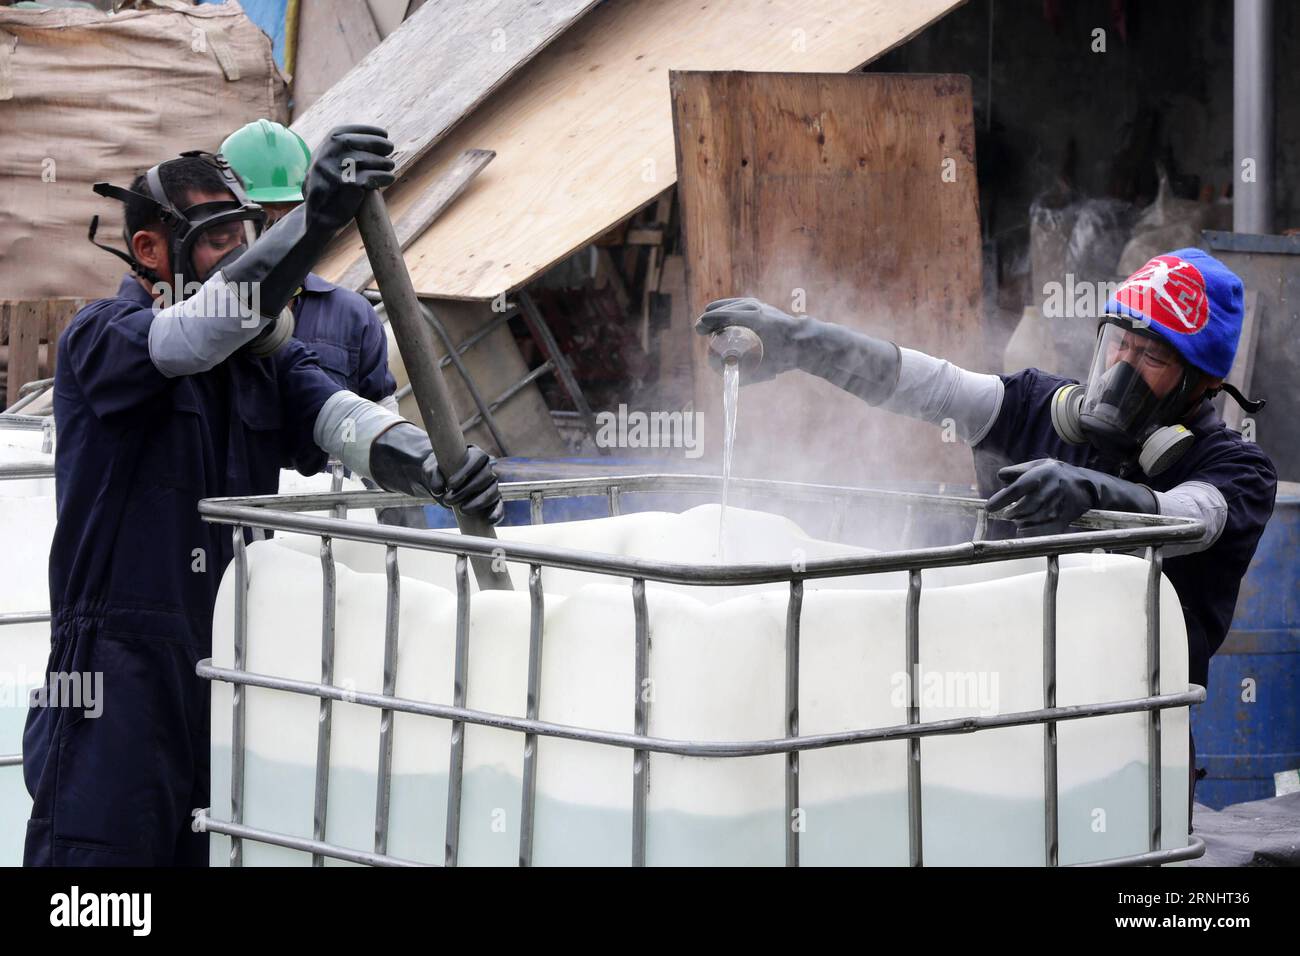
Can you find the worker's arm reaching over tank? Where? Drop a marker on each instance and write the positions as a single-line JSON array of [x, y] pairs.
[[878, 372], [1136, 416]]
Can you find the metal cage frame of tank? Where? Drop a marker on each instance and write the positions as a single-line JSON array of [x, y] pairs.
[[1098, 529]]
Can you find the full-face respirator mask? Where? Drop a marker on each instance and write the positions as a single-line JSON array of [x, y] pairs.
[[1138, 390], [1118, 411], [224, 229]]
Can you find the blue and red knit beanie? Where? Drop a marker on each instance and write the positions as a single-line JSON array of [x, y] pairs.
[[1192, 301]]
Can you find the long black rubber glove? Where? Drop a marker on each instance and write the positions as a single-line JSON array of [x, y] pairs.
[[352, 160], [1046, 495], [860, 364], [402, 459]]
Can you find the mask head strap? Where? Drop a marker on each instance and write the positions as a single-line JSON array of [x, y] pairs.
[[182, 226], [1250, 405]]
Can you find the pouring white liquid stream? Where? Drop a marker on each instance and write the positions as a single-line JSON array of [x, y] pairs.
[[732, 347], [730, 398]]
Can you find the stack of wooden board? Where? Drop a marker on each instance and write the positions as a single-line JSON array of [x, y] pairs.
[[583, 133], [582, 127]]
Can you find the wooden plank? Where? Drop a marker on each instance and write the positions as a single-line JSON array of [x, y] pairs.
[[676, 343], [607, 274], [419, 215], [851, 198], [26, 329], [435, 68], [388, 14], [61, 314], [1243, 366], [333, 36], [583, 134]]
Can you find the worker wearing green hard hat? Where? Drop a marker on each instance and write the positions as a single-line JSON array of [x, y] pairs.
[[339, 325], [272, 161]]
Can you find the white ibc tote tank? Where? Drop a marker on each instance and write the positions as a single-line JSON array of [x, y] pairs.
[[27, 518], [717, 669]]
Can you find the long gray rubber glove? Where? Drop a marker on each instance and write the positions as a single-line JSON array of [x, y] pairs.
[[1045, 495], [860, 364], [352, 160], [402, 459]]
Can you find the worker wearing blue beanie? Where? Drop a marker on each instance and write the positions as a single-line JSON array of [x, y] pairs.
[[1139, 435]]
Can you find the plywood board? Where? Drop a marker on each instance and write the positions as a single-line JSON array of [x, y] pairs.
[[418, 216], [850, 198], [435, 68], [388, 14], [583, 134], [333, 35]]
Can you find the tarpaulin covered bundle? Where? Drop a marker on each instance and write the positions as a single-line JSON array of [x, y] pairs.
[[87, 96]]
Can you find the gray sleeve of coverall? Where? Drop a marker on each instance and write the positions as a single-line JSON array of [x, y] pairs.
[[937, 392], [204, 330], [348, 425], [1195, 499]]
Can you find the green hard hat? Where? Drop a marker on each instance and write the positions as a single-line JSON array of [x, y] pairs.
[[271, 159]]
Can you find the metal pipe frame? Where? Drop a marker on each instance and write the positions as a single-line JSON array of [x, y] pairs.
[[913, 651], [1114, 531], [695, 748], [238, 745], [1253, 115], [511, 391], [203, 823], [459, 687], [528, 799], [16, 421], [24, 617], [325, 721], [640, 722], [550, 348], [25, 469], [384, 792], [1051, 819], [1155, 562], [473, 339], [793, 812], [454, 354]]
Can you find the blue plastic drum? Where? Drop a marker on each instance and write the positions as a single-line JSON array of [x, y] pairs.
[[1248, 729]]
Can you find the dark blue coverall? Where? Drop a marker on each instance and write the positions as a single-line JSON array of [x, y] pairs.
[[134, 574], [1206, 581], [341, 327]]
